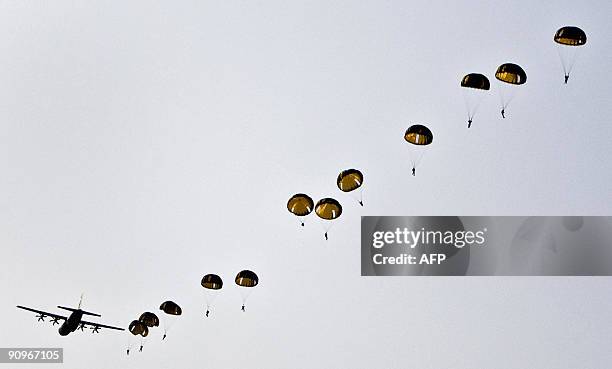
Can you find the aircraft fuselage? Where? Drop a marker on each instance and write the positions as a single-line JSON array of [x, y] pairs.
[[71, 324]]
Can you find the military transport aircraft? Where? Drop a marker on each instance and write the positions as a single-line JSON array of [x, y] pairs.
[[71, 323]]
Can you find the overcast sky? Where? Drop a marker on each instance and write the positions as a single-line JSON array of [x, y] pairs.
[[144, 144]]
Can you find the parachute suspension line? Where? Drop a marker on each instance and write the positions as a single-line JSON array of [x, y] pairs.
[[511, 97], [472, 104], [502, 100], [568, 57], [467, 105], [476, 106], [168, 323], [416, 158], [506, 98], [208, 302], [245, 292], [572, 61], [210, 298], [419, 157], [560, 52]]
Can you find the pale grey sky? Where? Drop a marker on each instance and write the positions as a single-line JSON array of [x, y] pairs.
[[144, 144]]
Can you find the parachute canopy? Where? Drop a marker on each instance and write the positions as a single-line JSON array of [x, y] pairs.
[[418, 135], [349, 180], [212, 282], [328, 209], [511, 73], [149, 319], [170, 307], [570, 36], [300, 204], [247, 278], [476, 80], [138, 328]]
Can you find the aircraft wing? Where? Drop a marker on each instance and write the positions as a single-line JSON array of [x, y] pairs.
[[42, 312], [98, 325]]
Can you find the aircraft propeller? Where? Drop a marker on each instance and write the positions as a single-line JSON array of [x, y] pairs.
[[55, 321], [95, 329], [82, 326], [41, 317]]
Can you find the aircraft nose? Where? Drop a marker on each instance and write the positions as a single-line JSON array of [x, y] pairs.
[[63, 331]]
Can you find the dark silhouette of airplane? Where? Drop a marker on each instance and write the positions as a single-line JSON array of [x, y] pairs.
[[72, 322]]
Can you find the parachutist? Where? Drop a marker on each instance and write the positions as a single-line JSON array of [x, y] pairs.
[[300, 205], [349, 180], [475, 84], [503, 112], [246, 279], [207, 312], [140, 348], [571, 37], [128, 352], [419, 136], [326, 238], [164, 337], [328, 209]]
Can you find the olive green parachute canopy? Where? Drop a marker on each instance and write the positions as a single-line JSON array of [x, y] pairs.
[[138, 328], [349, 180], [328, 209], [476, 80], [171, 308], [511, 73], [149, 319], [418, 135], [300, 204], [212, 282], [570, 36], [247, 278]]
